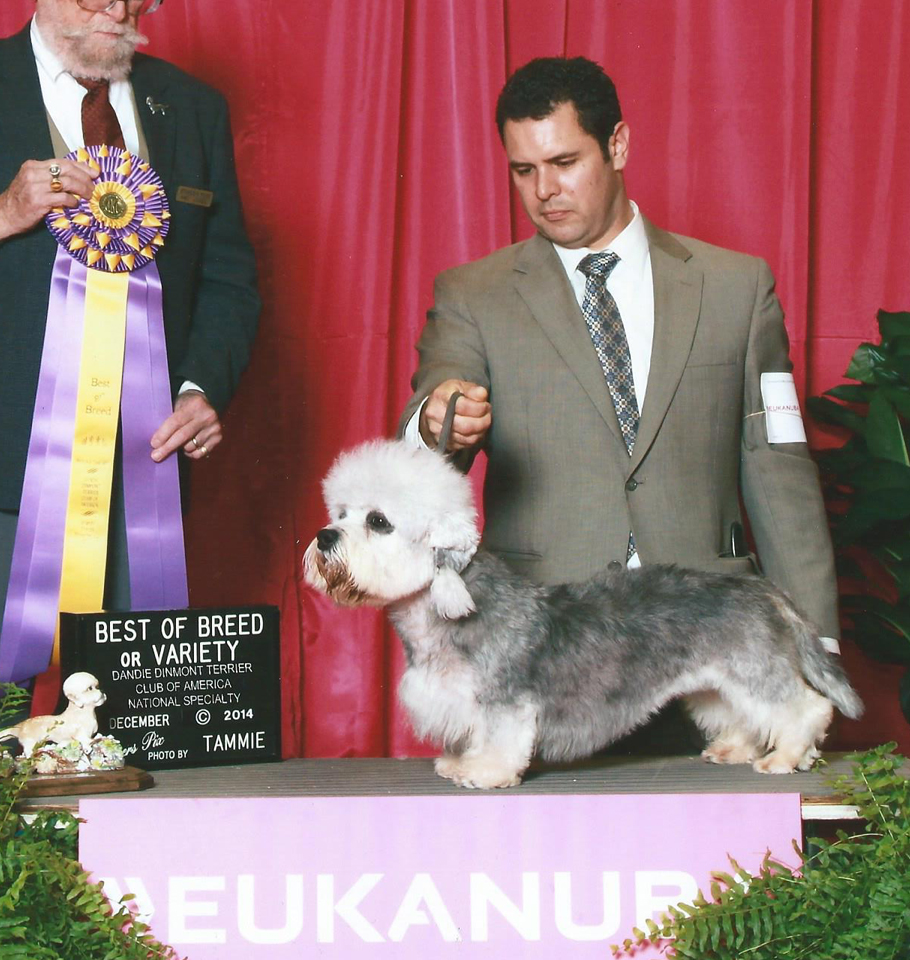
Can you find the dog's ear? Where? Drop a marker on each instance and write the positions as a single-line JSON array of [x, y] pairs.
[[454, 538], [447, 591]]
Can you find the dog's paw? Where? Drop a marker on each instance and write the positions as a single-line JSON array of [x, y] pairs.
[[721, 751], [487, 780], [477, 773], [774, 762], [447, 766], [807, 761]]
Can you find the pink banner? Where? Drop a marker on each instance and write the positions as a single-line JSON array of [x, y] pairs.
[[415, 877]]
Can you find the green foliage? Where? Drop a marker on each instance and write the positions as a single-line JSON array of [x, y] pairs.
[[867, 490], [13, 700], [49, 908], [849, 900]]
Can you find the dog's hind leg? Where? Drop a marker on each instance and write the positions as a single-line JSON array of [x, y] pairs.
[[799, 726], [729, 740], [499, 750]]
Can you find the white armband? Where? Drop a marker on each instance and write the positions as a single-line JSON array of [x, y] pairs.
[[783, 420]]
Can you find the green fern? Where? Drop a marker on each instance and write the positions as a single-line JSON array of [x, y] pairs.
[[49, 908], [850, 900], [13, 701]]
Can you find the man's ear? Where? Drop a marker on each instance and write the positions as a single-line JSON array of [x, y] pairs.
[[619, 145]]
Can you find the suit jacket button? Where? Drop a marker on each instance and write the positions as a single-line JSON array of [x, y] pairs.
[[614, 565], [631, 484]]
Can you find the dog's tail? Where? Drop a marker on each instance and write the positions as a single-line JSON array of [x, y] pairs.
[[823, 670]]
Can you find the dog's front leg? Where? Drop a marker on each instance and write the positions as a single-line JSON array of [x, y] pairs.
[[498, 750]]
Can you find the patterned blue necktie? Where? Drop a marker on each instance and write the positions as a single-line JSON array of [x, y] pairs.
[[609, 338]]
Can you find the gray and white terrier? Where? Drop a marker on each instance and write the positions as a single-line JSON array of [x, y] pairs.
[[500, 669]]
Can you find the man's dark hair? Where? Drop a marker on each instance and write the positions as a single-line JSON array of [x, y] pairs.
[[535, 90]]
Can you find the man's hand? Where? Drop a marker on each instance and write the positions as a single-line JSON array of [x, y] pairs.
[[473, 415], [193, 425], [30, 196]]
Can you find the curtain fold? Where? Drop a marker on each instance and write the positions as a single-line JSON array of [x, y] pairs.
[[369, 161]]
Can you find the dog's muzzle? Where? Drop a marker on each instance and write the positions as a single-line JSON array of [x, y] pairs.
[[326, 539]]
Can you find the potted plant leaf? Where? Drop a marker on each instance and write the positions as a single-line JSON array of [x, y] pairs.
[[867, 489]]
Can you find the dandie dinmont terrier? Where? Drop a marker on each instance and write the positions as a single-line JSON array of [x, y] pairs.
[[499, 668]]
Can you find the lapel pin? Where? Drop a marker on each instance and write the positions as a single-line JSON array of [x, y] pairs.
[[156, 107]]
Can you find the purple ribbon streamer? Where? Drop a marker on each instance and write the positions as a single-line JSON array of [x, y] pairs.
[[154, 523], [30, 618], [151, 490]]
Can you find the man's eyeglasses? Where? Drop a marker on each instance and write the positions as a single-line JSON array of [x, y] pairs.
[[135, 7]]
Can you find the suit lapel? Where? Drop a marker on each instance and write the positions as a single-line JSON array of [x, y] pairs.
[[158, 124], [542, 283], [23, 119], [677, 303]]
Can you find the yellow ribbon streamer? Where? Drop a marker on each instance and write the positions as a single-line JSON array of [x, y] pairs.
[[95, 440]]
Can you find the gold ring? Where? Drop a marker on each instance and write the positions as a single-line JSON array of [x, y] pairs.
[[56, 185], [205, 452], [195, 443]]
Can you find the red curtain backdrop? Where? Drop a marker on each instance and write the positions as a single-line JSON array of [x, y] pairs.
[[369, 161]]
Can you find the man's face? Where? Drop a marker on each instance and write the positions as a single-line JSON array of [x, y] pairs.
[[573, 196], [97, 45]]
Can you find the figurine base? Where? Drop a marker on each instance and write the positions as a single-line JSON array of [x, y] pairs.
[[91, 781]]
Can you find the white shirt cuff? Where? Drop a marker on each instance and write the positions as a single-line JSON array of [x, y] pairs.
[[412, 430]]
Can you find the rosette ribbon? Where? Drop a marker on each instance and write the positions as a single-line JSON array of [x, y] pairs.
[[104, 355]]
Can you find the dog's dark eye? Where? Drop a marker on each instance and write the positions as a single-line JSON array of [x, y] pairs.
[[378, 523], [342, 514]]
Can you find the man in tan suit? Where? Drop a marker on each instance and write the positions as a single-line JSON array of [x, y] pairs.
[[567, 492]]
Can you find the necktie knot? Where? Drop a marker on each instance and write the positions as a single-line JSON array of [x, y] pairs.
[[599, 265], [92, 85]]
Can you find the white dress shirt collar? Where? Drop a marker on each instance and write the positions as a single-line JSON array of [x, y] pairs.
[[630, 245]]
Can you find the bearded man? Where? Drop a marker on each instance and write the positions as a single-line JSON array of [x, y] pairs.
[[72, 68]]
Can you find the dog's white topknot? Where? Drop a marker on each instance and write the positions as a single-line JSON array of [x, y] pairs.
[[425, 493]]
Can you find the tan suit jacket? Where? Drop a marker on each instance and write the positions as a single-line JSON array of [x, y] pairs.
[[561, 491]]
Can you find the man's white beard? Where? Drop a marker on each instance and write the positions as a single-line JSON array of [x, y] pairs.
[[81, 60]]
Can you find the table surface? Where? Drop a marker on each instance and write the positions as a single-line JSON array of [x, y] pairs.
[[415, 777]]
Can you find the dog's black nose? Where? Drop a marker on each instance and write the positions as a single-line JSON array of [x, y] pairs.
[[327, 538]]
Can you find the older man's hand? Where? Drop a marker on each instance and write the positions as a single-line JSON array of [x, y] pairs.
[[194, 426], [31, 195], [473, 415]]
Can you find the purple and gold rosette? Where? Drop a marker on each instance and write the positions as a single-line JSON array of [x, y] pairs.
[[121, 227], [104, 364]]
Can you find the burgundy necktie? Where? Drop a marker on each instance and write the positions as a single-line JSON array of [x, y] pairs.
[[99, 122]]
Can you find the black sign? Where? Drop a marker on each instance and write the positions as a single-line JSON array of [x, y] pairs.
[[185, 688]]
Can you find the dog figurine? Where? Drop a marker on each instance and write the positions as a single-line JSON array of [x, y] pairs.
[[77, 722], [500, 669]]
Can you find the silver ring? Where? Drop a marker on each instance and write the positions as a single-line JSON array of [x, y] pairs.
[[55, 170], [195, 443]]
